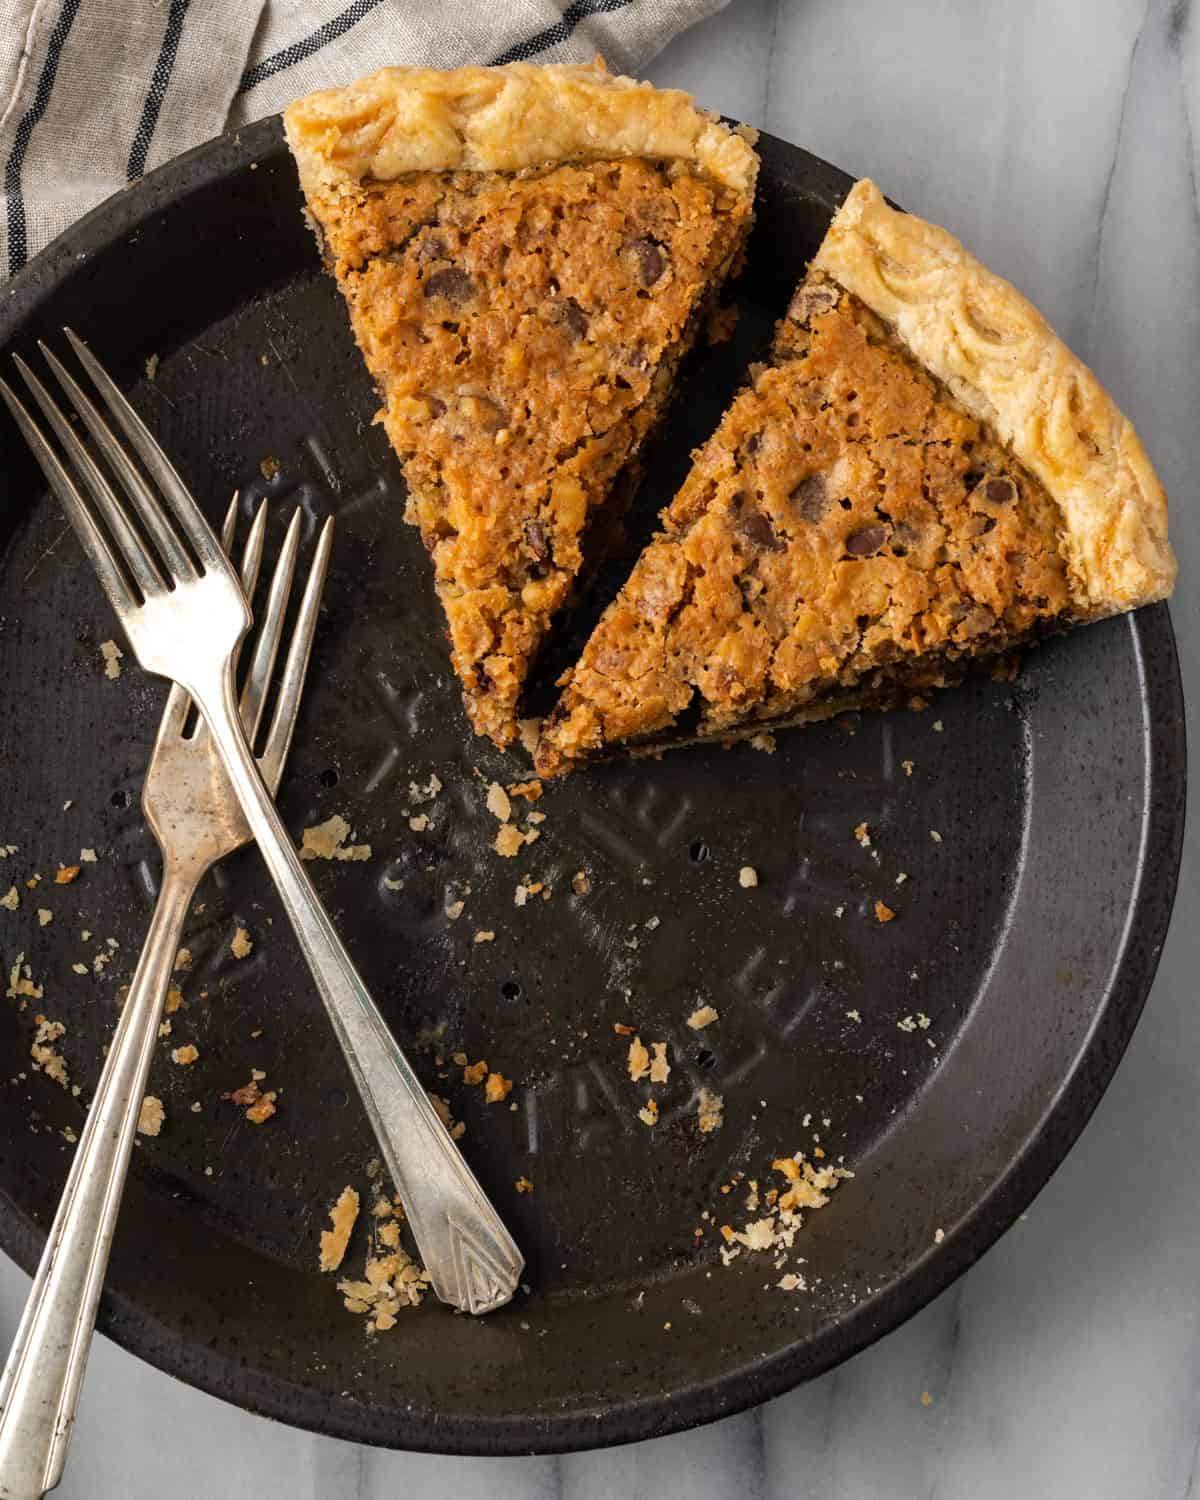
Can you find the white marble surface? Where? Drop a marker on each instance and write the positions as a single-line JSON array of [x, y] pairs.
[[1055, 136]]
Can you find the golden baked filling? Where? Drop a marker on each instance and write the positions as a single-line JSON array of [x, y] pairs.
[[854, 531], [523, 328]]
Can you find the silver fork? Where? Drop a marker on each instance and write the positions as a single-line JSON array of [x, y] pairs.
[[192, 811], [183, 612]]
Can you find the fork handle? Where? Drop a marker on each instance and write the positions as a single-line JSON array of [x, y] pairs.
[[470, 1256], [39, 1389]]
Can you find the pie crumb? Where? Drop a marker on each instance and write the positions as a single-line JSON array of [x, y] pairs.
[[241, 944], [926, 1399], [174, 999], [764, 741], [328, 841], [747, 877], [508, 841], [580, 884], [660, 1068], [151, 1116], [66, 874], [883, 913], [938, 1236], [475, 1072], [419, 822], [523, 1185], [185, 1055], [710, 1111], [908, 767], [863, 835], [702, 1016], [342, 1218], [45, 916], [87, 856], [639, 1059], [485, 936], [11, 899], [935, 836], [497, 1088], [498, 803], [112, 655], [648, 1115], [531, 790]]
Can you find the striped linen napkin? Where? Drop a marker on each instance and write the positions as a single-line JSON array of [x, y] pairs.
[[93, 93]]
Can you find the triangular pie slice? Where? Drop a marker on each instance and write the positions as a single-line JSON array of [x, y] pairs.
[[526, 253], [922, 476]]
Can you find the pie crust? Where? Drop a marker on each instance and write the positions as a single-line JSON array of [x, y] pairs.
[[1004, 363]]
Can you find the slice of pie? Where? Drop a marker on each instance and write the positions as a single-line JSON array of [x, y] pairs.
[[526, 253], [922, 476]]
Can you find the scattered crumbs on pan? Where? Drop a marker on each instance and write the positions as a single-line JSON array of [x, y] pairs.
[[660, 1068], [241, 944], [923, 1021], [648, 1114], [342, 1218], [11, 899], [863, 834], [883, 912], [498, 803], [87, 856], [710, 1111], [419, 822], [20, 981], [531, 790], [486, 935], [497, 1088], [112, 655], [455, 909], [907, 766], [935, 836], [457, 1128], [639, 1059], [807, 1187], [66, 874], [854, 1015], [174, 999], [151, 1116], [702, 1016], [46, 1058], [185, 1055], [763, 741], [392, 1281], [183, 960], [580, 883], [536, 817], [392, 885], [747, 877], [907, 1023], [45, 916], [473, 1073], [792, 1281], [328, 841], [258, 1104], [523, 1185], [938, 1236]]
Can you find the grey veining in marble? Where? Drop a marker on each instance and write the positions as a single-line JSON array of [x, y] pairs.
[[1056, 137]]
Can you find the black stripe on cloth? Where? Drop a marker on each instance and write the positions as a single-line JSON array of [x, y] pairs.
[[578, 11], [298, 51], [157, 92], [15, 202]]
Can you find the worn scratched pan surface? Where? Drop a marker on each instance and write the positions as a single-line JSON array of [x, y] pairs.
[[1027, 936]]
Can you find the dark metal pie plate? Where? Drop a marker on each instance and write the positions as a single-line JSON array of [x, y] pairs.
[[1027, 936]]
